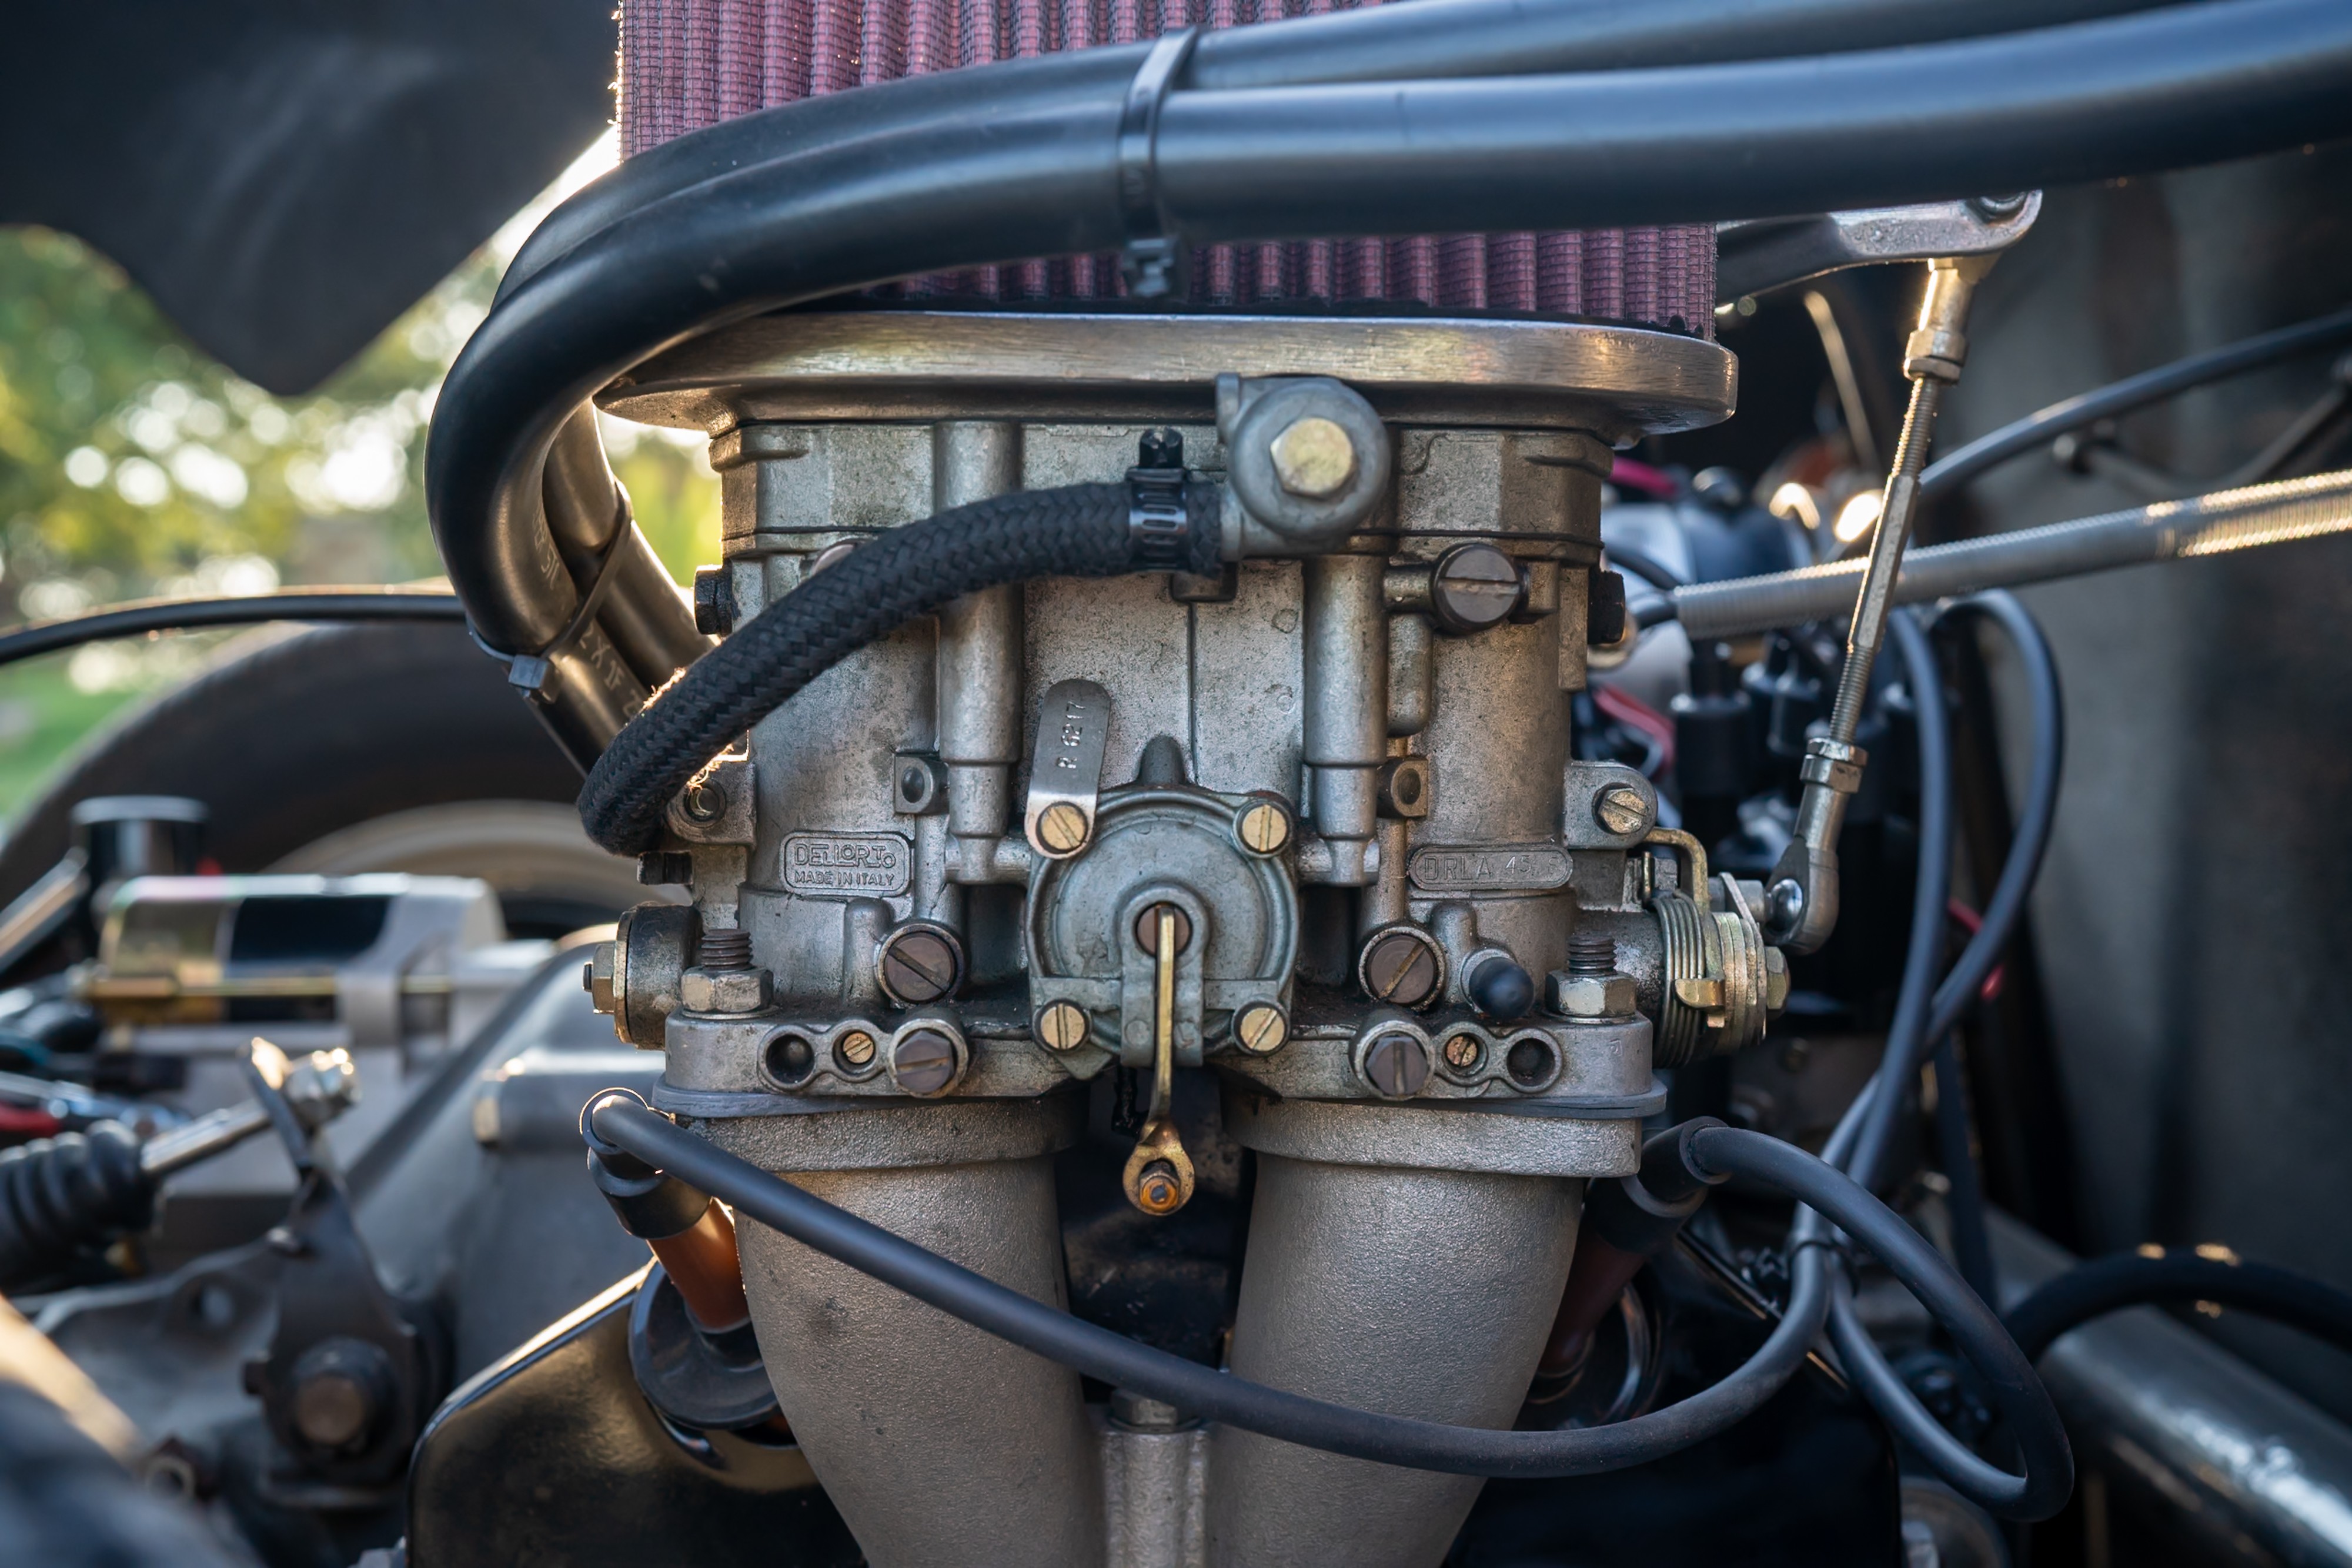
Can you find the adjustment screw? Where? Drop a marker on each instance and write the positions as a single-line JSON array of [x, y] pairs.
[[1063, 1026], [923, 1061], [1264, 828], [1261, 1028], [918, 963], [1473, 587], [1397, 1066], [1159, 1190], [1401, 965], [1621, 811], [1062, 828], [1313, 458], [854, 1049], [1463, 1052]]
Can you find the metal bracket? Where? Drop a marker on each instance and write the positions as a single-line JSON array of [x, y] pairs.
[[1756, 254]]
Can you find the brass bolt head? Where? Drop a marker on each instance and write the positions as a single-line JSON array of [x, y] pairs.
[[1158, 1191], [1314, 458], [1061, 828], [1264, 828], [854, 1049], [1260, 1029], [1063, 1026], [1621, 810], [1463, 1052]]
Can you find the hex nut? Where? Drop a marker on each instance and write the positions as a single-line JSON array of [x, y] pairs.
[[596, 977], [1314, 458], [1589, 996], [1776, 979], [731, 991], [1621, 811], [1159, 1190]]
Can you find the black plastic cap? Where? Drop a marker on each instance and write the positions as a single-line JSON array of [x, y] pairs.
[[1501, 990]]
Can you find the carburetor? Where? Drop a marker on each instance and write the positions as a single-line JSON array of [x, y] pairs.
[[1311, 822]]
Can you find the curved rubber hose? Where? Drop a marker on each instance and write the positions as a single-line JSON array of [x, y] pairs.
[[2105, 1285], [1429, 40], [2098, 98], [60, 1194], [2030, 842], [1078, 530], [142, 616], [2038, 429], [618, 1120], [2017, 1392]]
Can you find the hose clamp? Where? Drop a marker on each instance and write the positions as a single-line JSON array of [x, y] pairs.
[[1152, 260], [530, 673], [1159, 523]]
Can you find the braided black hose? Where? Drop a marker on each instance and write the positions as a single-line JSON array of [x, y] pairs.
[[1078, 530], [59, 1194]]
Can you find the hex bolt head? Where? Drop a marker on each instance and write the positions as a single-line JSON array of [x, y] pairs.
[[733, 991], [1159, 1190], [918, 963], [1396, 1065], [1314, 458], [1401, 965], [342, 1386], [1574, 996], [1261, 1028], [1061, 829], [923, 1061], [1621, 810], [1063, 1026], [597, 976], [854, 1049], [1473, 587], [1263, 827], [1463, 1052]]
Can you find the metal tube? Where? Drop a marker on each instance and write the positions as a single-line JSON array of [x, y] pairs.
[[981, 640], [2213, 524], [1344, 737], [179, 1147]]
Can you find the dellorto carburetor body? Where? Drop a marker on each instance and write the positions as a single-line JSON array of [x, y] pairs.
[[1313, 826]]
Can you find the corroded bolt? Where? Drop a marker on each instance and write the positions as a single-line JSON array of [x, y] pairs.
[[1264, 828], [1400, 967], [1260, 1029], [1397, 1065], [1463, 1052], [854, 1049], [1314, 458], [923, 1061], [1621, 810], [1158, 1189], [1061, 828], [918, 963], [1063, 1026]]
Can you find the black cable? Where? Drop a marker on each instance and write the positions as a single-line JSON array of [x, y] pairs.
[[1956, 1145], [617, 1120], [2038, 429], [1641, 564], [2131, 1278], [1432, 39], [842, 211], [2031, 840], [1078, 530], [141, 617]]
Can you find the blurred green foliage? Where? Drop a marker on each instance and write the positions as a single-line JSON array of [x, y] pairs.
[[131, 464]]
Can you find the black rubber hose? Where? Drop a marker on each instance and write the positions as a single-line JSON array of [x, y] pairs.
[[2043, 426], [2106, 1285], [1955, 1129], [149, 615], [62, 1194], [2180, 85], [1429, 40], [2008, 1373], [618, 1120], [1078, 530]]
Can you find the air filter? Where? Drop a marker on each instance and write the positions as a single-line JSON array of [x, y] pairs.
[[685, 64]]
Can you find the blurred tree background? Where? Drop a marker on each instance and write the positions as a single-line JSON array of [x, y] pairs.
[[133, 466]]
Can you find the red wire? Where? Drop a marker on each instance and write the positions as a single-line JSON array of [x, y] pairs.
[[1973, 922], [1634, 712], [1655, 482]]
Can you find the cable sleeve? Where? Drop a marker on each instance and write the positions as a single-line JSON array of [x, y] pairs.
[[2105, 1285], [1078, 530], [619, 1119]]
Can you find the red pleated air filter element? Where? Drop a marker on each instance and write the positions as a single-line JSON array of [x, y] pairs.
[[685, 64]]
